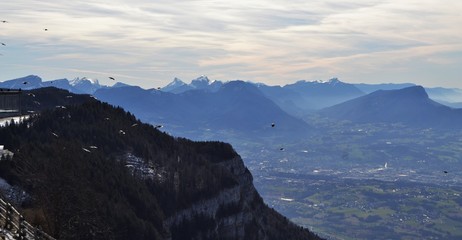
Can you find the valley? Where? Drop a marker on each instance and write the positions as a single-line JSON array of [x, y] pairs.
[[365, 181]]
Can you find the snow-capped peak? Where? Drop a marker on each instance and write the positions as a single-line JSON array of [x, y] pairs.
[[78, 81], [334, 81], [85, 85], [176, 83], [202, 79]]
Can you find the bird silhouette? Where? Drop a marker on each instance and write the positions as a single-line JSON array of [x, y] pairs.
[[272, 124], [31, 94], [158, 126], [46, 29], [4, 21], [445, 171], [282, 149], [3, 44], [24, 83], [112, 78], [86, 150]]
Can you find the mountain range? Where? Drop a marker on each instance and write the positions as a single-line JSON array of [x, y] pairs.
[[205, 109], [76, 85]]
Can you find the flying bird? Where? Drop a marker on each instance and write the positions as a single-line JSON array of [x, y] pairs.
[[3, 44], [282, 149], [46, 29], [445, 171], [86, 150], [121, 132], [24, 83], [158, 126], [272, 124], [69, 96], [31, 94], [54, 134], [112, 78], [4, 21], [135, 124], [93, 147]]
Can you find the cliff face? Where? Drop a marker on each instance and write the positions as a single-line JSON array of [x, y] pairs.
[[238, 199], [237, 213]]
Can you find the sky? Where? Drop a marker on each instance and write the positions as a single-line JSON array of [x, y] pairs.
[[150, 42]]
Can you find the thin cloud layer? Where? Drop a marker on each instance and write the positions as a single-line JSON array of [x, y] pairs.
[[148, 43]]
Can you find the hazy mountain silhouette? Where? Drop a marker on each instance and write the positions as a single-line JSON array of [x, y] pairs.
[[369, 88], [237, 106], [410, 106], [446, 96], [303, 97]]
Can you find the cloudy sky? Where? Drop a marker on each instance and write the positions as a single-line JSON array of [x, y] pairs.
[[149, 42]]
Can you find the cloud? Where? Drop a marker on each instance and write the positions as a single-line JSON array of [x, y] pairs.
[[276, 41]]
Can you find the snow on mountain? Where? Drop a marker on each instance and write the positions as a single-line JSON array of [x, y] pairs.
[[85, 85], [84, 80], [175, 86], [25, 83], [202, 82]]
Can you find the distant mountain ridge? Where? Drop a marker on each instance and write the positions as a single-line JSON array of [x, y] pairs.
[[236, 106], [446, 96], [305, 97], [201, 83], [296, 98], [76, 85], [410, 106]]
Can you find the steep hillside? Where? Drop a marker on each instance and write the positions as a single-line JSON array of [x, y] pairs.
[[93, 171], [410, 106]]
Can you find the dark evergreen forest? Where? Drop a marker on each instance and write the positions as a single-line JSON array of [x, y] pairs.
[[70, 161]]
